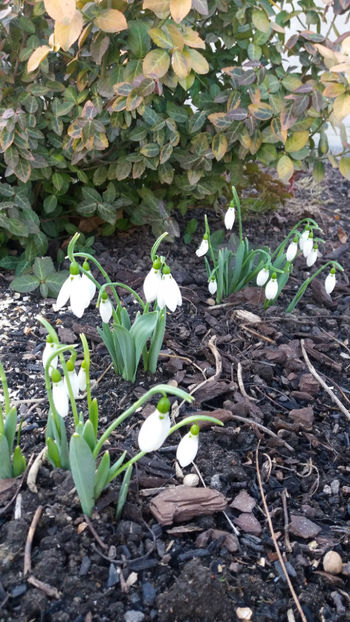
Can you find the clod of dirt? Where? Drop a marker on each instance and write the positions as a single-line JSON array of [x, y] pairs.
[[196, 595]]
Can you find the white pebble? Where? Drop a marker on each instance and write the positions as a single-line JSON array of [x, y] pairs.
[[191, 479]]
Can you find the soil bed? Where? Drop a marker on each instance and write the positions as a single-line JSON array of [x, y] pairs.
[[197, 570]]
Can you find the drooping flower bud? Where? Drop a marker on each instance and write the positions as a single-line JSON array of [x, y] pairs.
[[59, 393], [292, 250], [312, 256], [105, 308], [88, 284], [152, 281], [308, 245], [271, 288], [73, 377], [330, 281], [82, 377], [50, 348], [203, 247], [212, 286], [304, 236], [230, 217], [168, 291], [262, 276], [155, 428], [188, 446]]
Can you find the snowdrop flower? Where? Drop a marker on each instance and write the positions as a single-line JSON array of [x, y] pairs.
[[59, 394], [188, 447], [312, 256], [330, 281], [212, 286], [75, 290], [88, 283], [105, 308], [304, 236], [49, 349], [168, 292], [292, 250], [262, 277], [155, 428], [308, 245], [82, 377], [152, 281], [271, 288], [73, 377], [230, 217], [203, 247]]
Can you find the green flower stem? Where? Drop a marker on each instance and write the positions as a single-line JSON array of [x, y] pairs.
[[128, 289], [211, 251], [156, 245], [236, 203], [51, 331], [87, 368], [5, 390], [163, 389], [307, 282]]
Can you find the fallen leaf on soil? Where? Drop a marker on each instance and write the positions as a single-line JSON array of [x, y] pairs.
[[303, 416], [243, 502], [183, 503], [246, 316], [66, 335], [229, 540], [248, 523], [253, 295], [303, 527], [342, 235]]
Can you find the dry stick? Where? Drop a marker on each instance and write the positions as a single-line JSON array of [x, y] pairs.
[[313, 371], [95, 534], [273, 537], [263, 429], [256, 334], [50, 591], [28, 547], [286, 521], [241, 385]]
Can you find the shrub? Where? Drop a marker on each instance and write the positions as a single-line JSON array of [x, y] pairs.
[[178, 97]]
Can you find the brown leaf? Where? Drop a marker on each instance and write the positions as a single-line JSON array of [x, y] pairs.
[[343, 237], [183, 503]]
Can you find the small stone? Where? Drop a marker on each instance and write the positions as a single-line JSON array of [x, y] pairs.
[[191, 479], [244, 613], [134, 616], [113, 576], [248, 523], [335, 485], [303, 416], [332, 562], [243, 502], [303, 527], [148, 593]]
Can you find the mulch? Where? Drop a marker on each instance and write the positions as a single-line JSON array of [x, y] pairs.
[[281, 459]]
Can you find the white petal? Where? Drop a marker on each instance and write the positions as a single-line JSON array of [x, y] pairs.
[[203, 248], [329, 283], [105, 310], [49, 349], [153, 431], [308, 246], [271, 289], [304, 236], [311, 258], [60, 398], [89, 285], [212, 286], [73, 377], [82, 379], [291, 251], [169, 293], [262, 277], [64, 294], [79, 296], [151, 284], [187, 449], [230, 218]]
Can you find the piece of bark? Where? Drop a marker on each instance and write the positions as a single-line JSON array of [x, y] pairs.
[[303, 527], [303, 417], [248, 523], [182, 503], [243, 502], [309, 384]]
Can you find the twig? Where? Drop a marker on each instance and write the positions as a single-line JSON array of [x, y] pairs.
[[241, 385], [34, 470], [263, 429], [28, 547], [50, 591], [95, 534], [100, 377], [256, 334], [313, 371], [274, 540], [286, 521]]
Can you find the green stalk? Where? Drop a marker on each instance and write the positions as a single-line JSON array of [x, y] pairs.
[[5, 390], [211, 251], [87, 368], [156, 245], [128, 289], [236, 200]]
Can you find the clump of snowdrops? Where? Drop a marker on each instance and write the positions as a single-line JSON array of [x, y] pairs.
[[81, 451], [127, 341], [12, 460], [229, 271]]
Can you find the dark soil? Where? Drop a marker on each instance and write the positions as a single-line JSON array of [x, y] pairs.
[[135, 569]]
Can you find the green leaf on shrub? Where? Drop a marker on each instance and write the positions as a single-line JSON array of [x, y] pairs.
[[42, 267], [54, 282], [260, 20], [285, 168], [23, 170], [25, 283], [50, 204], [344, 167]]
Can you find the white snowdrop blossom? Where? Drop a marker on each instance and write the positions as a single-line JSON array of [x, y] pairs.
[[262, 277], [212, 286], [304, 236], [203, 247], [74, 290], [330, 282], [292, 250], [271, 288], [88, 283], [50, 348], [73, 378], [168, 294], [308, 246], [155, 428], [230, 217], [152, 282], [105, 308], [82, 377], [188, 447], [312, 256], [59, 394]]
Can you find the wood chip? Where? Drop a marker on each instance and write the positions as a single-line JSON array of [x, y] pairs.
[[182, 503], [243, 502], [248, 523], [303, 527]]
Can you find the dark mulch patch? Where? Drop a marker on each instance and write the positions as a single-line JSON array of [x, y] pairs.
[[137, 569]]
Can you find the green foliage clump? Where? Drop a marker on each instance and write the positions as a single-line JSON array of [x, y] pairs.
[[120, 111]]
